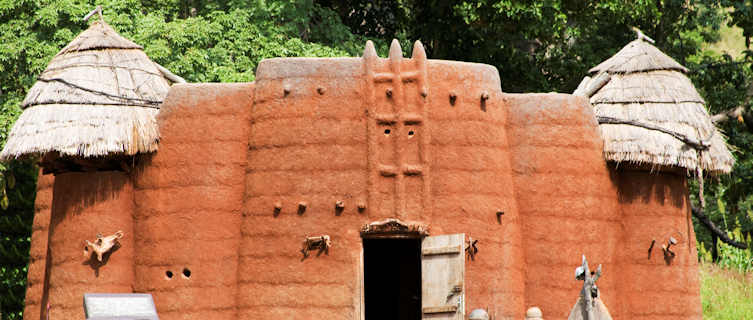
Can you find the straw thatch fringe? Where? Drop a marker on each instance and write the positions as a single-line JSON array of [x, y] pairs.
[[654, 86], [638, 56], [628, 143], [107, 77], [83, 130]]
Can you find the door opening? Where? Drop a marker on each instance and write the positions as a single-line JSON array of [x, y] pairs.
[[392, 278]]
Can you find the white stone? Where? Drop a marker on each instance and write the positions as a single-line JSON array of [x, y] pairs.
[[478, 314], [534, 313]]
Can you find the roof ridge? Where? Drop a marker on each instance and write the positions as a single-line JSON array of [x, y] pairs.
[[99, 36]]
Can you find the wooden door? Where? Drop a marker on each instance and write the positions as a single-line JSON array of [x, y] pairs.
[[443, 277]]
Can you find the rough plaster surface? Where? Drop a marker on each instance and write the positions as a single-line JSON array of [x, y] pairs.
[[35, 283], [566, 197], [83, 205], [655, 206], [311, 132]]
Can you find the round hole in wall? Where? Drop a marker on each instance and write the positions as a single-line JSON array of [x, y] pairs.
[[169, 274], [186, 273], [387, 131], [411, 133]]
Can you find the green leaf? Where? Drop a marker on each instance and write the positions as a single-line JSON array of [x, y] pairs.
[[4, 201]]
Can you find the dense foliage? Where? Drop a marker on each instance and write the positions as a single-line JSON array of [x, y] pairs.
[[537, 45], [15, 229]]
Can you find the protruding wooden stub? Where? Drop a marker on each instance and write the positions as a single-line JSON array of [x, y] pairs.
[[339, 207], [500, 213], [97, 10]]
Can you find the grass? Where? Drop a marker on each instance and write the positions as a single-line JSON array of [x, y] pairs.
[[726, 294], [732, 42]]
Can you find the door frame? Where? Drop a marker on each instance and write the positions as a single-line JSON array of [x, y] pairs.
[[385, 229]]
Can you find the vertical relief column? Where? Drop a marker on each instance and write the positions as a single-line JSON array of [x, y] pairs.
[[84, 205], [398, 145], [36, 283], [189, 198]]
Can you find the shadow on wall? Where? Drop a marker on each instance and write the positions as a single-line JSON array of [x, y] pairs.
[[665, 188], [71, 196], [76, 192], [95, 264]]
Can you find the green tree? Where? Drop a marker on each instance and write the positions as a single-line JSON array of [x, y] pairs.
[[545, 45], [15, 231]]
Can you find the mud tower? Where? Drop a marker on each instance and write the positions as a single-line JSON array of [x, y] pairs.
[[656, 133], [351, 188], [87, 119]]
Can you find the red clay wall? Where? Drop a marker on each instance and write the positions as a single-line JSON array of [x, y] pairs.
[[567, 200], [83, 205], [323, 141], [655, 206], [189, 199], [304, 147], [414, 139], [471, 180], [35, 284]]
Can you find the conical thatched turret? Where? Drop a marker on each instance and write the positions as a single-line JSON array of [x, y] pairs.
[[651, 114], [98, 97]]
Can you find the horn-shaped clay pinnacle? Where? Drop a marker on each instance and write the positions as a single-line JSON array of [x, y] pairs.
[[396, 52], [369, 51], [418, 51]]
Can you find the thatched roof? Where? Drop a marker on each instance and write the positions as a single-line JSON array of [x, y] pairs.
[[638, 56], [98, 96], [648, 102]]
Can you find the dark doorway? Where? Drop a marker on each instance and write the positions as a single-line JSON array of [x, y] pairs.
[[392, 279]]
